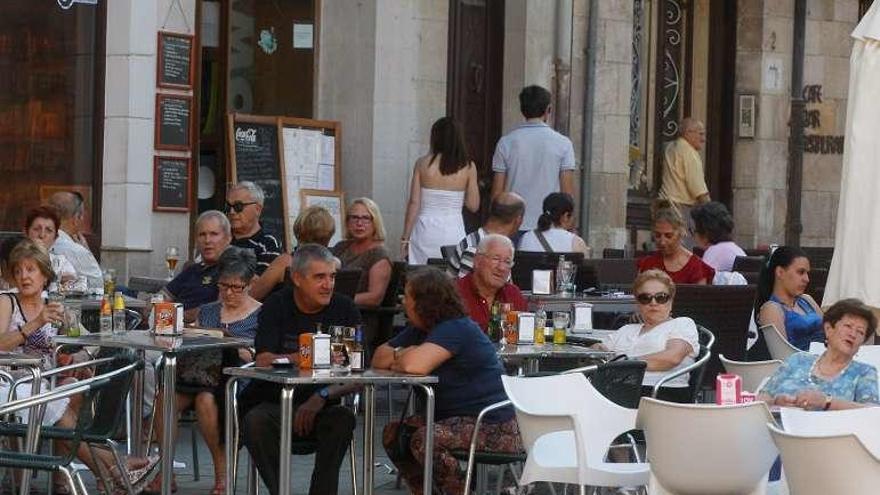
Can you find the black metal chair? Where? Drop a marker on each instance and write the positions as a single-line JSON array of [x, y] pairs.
[[614, 271], [347, 282], [748, 264], [820, 257], [528, 261]]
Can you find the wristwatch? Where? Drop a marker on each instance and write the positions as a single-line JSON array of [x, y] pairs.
[[397, 352], [828, 400], [324, 393]]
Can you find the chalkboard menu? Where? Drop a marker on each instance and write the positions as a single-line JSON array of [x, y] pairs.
[[254, 157], [171, 184], [175, 61], [173, 116]]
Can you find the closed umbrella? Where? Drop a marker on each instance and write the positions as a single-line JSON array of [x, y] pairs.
[[855, 268]]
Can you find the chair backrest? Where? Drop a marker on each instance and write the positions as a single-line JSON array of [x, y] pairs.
[[448, 252], [614, 271], [347, 282], [146, 284], [699, 374], [816, 287], [440, 263], [753, 373], [820, 257], [779, 347], [527, 261], [620, 381], [748, 263], [110, 399], [869, 354], [707, 449], [724, 309], [861, 422], [818, 465], [395, 283]]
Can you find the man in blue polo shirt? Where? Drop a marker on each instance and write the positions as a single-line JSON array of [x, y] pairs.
[[533, 160], [196, 284]]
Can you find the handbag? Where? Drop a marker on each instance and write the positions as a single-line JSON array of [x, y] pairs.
[[396, 438], [200, 369]]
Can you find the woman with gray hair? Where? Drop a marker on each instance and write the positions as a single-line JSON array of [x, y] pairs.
[[201, 383]]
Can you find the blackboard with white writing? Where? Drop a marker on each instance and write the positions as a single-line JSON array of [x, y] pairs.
[[171, 184], [175, 60], [173, 118]]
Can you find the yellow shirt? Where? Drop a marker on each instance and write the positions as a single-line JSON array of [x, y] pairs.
[[683, 180]]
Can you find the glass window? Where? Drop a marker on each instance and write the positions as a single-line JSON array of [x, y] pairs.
[[51, 63]]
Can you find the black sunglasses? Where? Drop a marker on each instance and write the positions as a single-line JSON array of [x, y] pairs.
[[238, 207], [660, 297]]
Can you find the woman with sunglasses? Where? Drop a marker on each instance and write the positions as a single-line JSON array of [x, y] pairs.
[[668, 230], [667, 344], [364, 249]]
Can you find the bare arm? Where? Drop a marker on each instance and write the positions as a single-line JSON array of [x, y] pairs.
[[421, 359], [499, 183], [566, 182], [579, 246], [771, 314], [380, 275], [676, 350], [412, 209], [383, 357], [472, 190], [10, 338], [273, 276]]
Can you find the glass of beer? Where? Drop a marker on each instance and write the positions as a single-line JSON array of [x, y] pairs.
[[338, 353], [171, 257], [560, 325]]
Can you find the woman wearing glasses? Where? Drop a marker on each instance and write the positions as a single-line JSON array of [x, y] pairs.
[[668, 229], [201, 383], [667, 344], [364, 249]]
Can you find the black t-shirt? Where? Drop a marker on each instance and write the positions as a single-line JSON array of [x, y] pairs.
[[280, 324]]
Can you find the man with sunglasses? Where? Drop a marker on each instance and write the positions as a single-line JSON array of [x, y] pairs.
[[70, 242], [489, 282], [244, 205]]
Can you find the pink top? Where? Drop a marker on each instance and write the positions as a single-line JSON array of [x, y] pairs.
[[721, 256]]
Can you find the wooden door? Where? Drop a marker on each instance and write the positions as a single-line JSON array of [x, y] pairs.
[[720, 130], [474, 83]]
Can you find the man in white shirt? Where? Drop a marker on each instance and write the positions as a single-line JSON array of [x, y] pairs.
[[533, 160], [70, 207]]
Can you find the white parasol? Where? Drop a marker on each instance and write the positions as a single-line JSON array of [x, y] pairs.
[[855, 268]]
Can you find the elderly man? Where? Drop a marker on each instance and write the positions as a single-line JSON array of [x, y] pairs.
[[505, 216], [683, 179], [533, 160], [318, 415], [489, 282], [244, 205], [70, 242], [196, 284]]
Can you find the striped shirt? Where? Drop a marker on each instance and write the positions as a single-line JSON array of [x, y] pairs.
[[81, 258], [264, 245], [461, 261]]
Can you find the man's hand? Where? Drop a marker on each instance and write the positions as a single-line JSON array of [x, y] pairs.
[[305, 415]]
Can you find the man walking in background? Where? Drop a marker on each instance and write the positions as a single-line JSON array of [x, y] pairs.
[[683, 181]]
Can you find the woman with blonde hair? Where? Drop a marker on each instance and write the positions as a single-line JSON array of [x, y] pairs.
[[364, 249], [668, 230]]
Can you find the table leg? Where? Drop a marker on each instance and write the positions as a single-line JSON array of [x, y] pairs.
[[533, 366], [429, 439], [369, 424], [169, 418], [136, 441], [286, 439], [35, 418], [231, 436]]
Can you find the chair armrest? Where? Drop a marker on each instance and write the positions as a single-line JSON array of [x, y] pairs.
[[687, 369], [473, 444], [62, 369], [582, 369]]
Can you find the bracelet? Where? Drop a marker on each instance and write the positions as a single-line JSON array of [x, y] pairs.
[[828, 400]]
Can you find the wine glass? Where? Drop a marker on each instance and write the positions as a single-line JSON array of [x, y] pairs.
[[171, 257]]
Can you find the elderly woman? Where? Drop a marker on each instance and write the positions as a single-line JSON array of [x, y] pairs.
[[672, 257], [313, 225], [833, 380], [201, 384], [443, 341], [713, 229], [41, 226], [666, 344], [27, 325], [554, 228], [781, 300], [364, 249]]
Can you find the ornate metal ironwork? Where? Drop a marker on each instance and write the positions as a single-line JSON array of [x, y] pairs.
[[635, 101], [670, 84]]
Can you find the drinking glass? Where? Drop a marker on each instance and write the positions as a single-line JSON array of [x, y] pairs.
[[560, 325], [171, 257], [338, 354], [56, 297]]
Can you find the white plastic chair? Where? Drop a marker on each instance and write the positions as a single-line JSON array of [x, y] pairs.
[[753, 373], [567, 427], [869, 354], [707, 449], [819, 465], [859, 422], [779, 346]]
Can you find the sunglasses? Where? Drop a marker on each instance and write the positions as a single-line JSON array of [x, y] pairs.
[[238, 207], [660, 297]]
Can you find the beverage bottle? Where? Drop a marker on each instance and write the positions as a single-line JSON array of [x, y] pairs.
[[356, 353], [540, 321], [119, 313], [560, 275], [109, 282], [493, 329], [106, 318]]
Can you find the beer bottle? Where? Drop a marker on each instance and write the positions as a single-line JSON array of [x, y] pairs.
[[106, 318]]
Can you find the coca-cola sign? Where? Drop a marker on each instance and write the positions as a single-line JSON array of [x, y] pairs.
[[66, 4], [248, 136]]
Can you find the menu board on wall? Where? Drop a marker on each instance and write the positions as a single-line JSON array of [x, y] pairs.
[[171, 184], [254, 157], [173, 118], [175, 69]]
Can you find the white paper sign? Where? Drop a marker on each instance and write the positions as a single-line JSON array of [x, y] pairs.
[[541, 281], [526, 328], [328, 150], [583, 317], [303, 35], [326, 177]]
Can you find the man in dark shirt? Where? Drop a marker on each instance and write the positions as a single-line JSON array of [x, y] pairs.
[[196, 284], [317, 414], [489, 282], [244, 205]]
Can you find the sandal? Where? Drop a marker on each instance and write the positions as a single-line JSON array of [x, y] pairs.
[[138, 474], [155, 487]]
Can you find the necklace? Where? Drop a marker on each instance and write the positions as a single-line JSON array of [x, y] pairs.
[[816, 370]]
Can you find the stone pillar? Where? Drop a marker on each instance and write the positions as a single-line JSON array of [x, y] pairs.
[[133, 236]]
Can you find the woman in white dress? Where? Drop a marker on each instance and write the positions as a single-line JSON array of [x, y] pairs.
[[443, 181], [553, 233]]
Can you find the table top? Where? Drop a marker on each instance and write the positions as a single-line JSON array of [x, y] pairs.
[[296, 376], [580, 297], [94, 302], [144, 340], [19, 359], [513, 351]]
